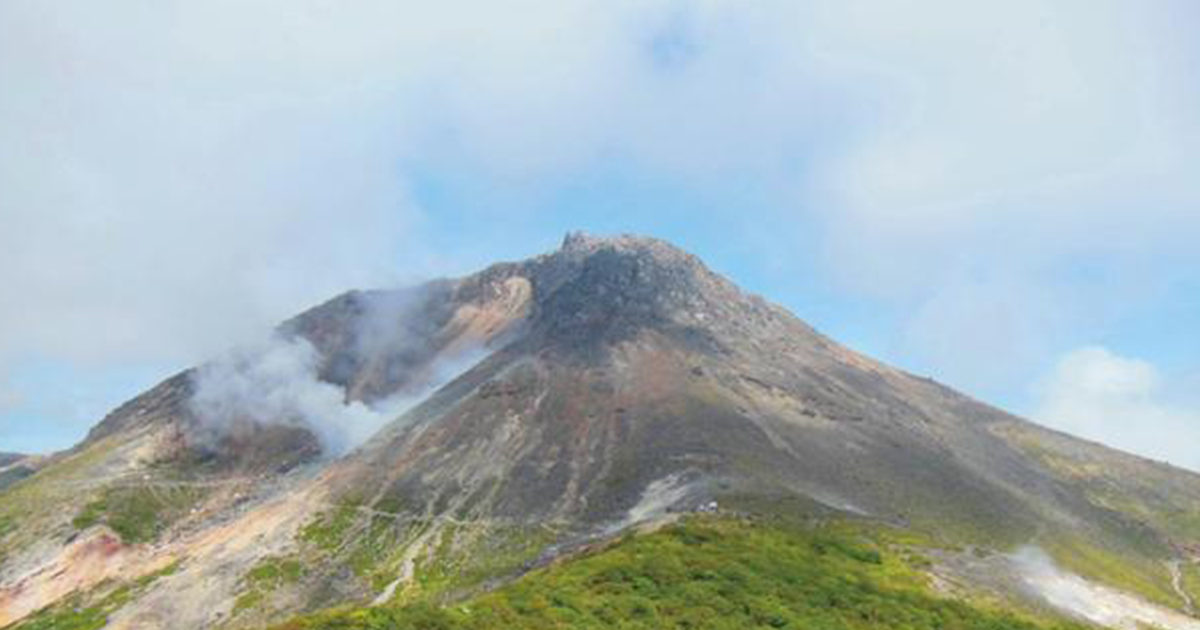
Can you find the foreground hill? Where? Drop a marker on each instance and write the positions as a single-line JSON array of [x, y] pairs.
[[550, 404]]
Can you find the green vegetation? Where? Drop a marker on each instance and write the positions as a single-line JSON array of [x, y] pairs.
[[13, 475], [1127, 571], [91, 611], [34, 503], [467, 558], [705, 573], [1191, 581], [390, 503], [273, 572], [452, 559], [369, 543], [329, 531], [139, 513], [8, 524], [1139, 506], [373, 548], [267, 576], [73, 615], [1182, 523]]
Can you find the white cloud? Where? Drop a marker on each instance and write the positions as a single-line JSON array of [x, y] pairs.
[[178, 175], [1025, 179], [1123, 402], [163, 198]]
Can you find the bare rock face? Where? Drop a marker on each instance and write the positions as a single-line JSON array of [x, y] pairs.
[[634, 369]]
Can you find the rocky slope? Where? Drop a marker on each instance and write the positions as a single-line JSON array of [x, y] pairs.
[[614, 381]]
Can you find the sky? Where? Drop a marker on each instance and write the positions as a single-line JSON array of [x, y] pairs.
[[1000, 195]]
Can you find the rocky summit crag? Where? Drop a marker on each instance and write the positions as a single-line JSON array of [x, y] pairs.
[[555, 403]]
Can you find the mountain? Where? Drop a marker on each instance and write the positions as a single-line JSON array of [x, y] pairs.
[[14, 467], [531, 412]]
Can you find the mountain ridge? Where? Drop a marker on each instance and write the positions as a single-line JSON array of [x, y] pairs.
[[554, 401]]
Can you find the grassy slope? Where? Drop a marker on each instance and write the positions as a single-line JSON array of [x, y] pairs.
[[138, 513], [1150, 505], [706, 573], [31, 508], [356, 555], [1191, 581]]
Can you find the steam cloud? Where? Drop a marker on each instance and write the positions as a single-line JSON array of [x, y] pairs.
[[1093, 602], [277, 381]]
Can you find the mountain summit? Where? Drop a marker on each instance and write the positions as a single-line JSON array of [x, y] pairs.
[[534, 408]]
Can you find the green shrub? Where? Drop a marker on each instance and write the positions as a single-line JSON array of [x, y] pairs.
[[91, 611], [704, 573], [137, 514]]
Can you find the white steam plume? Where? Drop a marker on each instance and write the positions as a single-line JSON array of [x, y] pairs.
[[1095, 603], [276, 382]]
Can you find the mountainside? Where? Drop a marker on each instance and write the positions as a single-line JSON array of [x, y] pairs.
[[525, 413], [14, 467]]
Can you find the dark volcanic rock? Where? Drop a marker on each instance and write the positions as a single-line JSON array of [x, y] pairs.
[[640, 380], [623, 377]]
